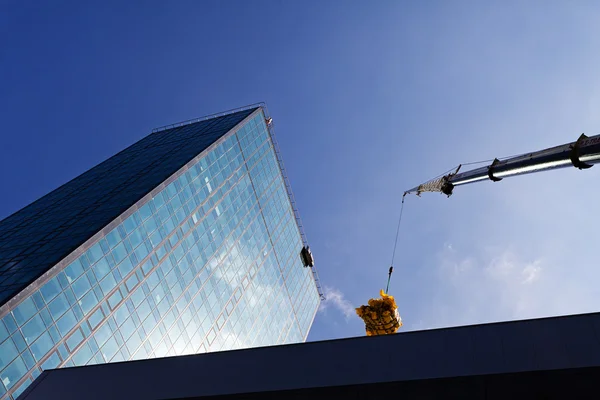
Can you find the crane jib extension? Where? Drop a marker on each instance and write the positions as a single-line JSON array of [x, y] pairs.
[[581, 154]]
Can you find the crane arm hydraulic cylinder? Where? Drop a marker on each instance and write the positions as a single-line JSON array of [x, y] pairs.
[[582, 154]]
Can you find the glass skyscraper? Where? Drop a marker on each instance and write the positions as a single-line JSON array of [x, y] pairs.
[[184, 242]]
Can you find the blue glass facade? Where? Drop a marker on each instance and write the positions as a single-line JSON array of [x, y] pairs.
[[208, 260], [42, 234]]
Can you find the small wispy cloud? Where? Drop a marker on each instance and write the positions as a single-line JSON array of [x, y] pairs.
[[531, 272], [485, 286], [336, 300]]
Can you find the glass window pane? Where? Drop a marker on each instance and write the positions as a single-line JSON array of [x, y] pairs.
[[64, 282], [24, 386], [38, 300], [101, 268], [159, 200], [150, 225], [62, 350], [145, 211], [85, 328], [13, 373], [66, 323], [107, 284], [114, 300], [95, 253], [8, 352], [34, 328], [78, 312], [142, 251], [28, 358], [41, 346], [24, 311], [74, 340], [119, 253], [9, 323], [121, 314], [110, 349], [129, 224], [3, 332], [83, 355], [88, 302], [81, 286], [127, 328], [58, 306], [133, 342], [143, 310], [131, 282], [135, 238], [95, 318], [91, 277], [104, 246], [102, 334], [54, 333], [113, 238], [138, 296], [126, 266], [74, 270], [52, 362], [70, 296]]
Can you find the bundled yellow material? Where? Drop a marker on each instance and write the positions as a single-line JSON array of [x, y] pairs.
[[380, 316]]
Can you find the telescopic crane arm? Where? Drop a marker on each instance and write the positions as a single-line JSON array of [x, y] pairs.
[[581, 154]]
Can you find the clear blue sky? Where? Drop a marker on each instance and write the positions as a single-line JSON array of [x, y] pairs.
[[369, 99]]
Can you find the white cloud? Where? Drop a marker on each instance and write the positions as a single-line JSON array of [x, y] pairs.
[[480, 285], [335, 299], [531, 272], [512, 270]]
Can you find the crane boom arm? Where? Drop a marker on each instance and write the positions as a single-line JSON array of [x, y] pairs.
[[581, 154]]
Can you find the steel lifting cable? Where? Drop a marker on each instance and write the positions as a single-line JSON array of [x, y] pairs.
[[395, 245], [489, 161]]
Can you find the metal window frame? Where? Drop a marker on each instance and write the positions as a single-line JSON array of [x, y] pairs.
[[291, 198]]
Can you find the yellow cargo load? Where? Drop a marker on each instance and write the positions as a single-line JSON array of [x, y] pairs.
[[380, 316]]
